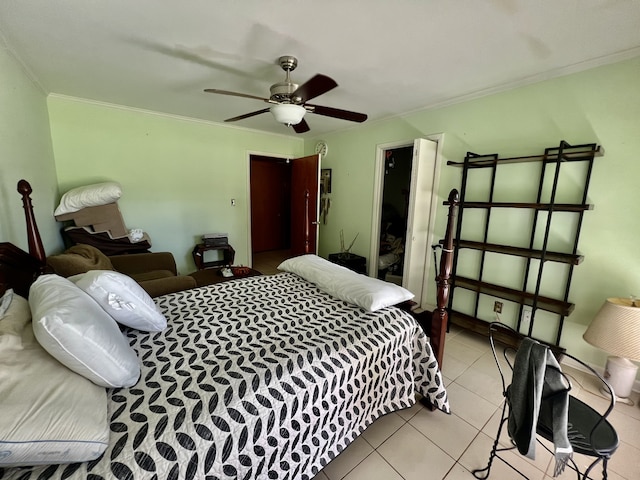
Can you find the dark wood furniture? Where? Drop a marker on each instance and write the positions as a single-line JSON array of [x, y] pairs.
[[350, 260], [19, 269], [210, 276], [528, 292], [228, 254]]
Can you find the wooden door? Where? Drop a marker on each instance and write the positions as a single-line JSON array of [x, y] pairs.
[[270, 197], [305, 175]]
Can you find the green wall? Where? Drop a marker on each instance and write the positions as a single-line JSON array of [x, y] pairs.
[[25, 153], [178, 176], [601, 106]]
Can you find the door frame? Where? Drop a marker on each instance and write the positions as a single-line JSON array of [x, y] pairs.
[[248, 190], [291, 158], [378, 186]]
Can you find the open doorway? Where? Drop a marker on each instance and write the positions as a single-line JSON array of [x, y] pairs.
[[284, 201], [411, 263], [395, 212], [270, 185]]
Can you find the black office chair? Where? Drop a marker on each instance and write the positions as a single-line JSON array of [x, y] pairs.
[[589, 432]]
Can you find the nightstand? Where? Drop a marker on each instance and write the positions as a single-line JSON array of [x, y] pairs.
[[350, 260], [228, 254]]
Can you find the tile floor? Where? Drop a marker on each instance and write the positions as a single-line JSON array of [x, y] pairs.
[[419, 444], [267, 262]]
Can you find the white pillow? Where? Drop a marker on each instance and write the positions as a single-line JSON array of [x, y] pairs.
[[369, 293], [73, 328], [13, 321], [123, 298], [49, 413], [89, 196]]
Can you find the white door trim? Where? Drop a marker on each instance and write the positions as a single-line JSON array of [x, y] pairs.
[[377, 207]]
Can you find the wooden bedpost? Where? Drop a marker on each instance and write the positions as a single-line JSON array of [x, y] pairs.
[[440, 316], [36, 249]]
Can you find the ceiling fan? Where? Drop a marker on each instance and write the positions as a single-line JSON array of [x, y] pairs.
[[289, 100]]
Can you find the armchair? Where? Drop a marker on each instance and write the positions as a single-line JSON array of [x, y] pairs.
[[155, 272]]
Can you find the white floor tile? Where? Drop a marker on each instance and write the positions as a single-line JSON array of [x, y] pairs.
[[470, 406], [350, 457], [383, 428], [458, 472], [483, 384], [477, 456], [463, 352], [449, 432], [374, 467], [412, 455]]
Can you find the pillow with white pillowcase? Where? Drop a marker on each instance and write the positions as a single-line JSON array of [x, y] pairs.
[[75, 330], [50, 414], [123, 298], [340, 282], [89, 196]]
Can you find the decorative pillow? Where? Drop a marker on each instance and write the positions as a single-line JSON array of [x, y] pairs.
[[73, 328], [369, 293], [122, 298], [49, 413], [13, 321], [89, 196], [79, 259]]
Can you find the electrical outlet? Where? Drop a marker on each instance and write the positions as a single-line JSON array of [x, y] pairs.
[[525, 320], [497, 307]]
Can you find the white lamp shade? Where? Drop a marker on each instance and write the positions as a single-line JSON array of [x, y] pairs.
[[288, 113], [616, 328]]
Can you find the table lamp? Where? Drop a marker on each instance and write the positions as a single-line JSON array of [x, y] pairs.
[[616, 330]]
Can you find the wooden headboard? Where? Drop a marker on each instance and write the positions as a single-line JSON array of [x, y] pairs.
[[18, 269]]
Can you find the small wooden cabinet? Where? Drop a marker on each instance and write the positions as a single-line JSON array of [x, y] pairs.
[[228, 255], [350, 260]]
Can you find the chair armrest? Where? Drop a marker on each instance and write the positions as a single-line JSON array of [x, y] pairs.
[[133, 263], [163, 286]]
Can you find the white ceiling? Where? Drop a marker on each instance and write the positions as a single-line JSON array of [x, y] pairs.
[[388, 57]]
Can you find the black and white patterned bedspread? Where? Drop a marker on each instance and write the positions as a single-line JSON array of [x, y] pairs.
[[260, 378]]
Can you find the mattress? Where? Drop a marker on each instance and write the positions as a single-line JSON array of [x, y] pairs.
[[263, 377]]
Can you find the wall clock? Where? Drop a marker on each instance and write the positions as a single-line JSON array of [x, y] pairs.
[[322, 148]]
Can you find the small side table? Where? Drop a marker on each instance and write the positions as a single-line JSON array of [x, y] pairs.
[[211, 276], [228, 254], [350, 260]]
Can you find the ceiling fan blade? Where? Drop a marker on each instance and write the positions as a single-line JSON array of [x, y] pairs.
[[236, 94], [301, 127], [314, 87], [337, 113], [247, 115]]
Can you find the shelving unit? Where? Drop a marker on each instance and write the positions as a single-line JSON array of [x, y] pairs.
[[528, 292]]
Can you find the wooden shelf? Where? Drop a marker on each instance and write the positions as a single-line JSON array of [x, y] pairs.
[[517, 296], [539, 213], [558, 257], [557, 207], [571, 154], [471, 323]]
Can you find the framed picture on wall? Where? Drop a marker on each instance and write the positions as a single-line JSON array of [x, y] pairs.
[[325, 180]]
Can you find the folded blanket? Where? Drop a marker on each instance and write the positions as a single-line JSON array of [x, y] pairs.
[[537, 378]]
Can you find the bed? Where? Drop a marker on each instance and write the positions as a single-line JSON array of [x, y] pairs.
[[262, 377]]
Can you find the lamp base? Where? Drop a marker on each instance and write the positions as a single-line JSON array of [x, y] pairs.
[[626, 400], [620, 374]]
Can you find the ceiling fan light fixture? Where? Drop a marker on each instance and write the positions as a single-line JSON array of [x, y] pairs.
[[288, 113]]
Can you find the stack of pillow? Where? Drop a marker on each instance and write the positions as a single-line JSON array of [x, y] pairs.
[[58, 352]]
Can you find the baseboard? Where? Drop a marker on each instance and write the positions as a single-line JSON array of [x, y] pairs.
[[573, 364]]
